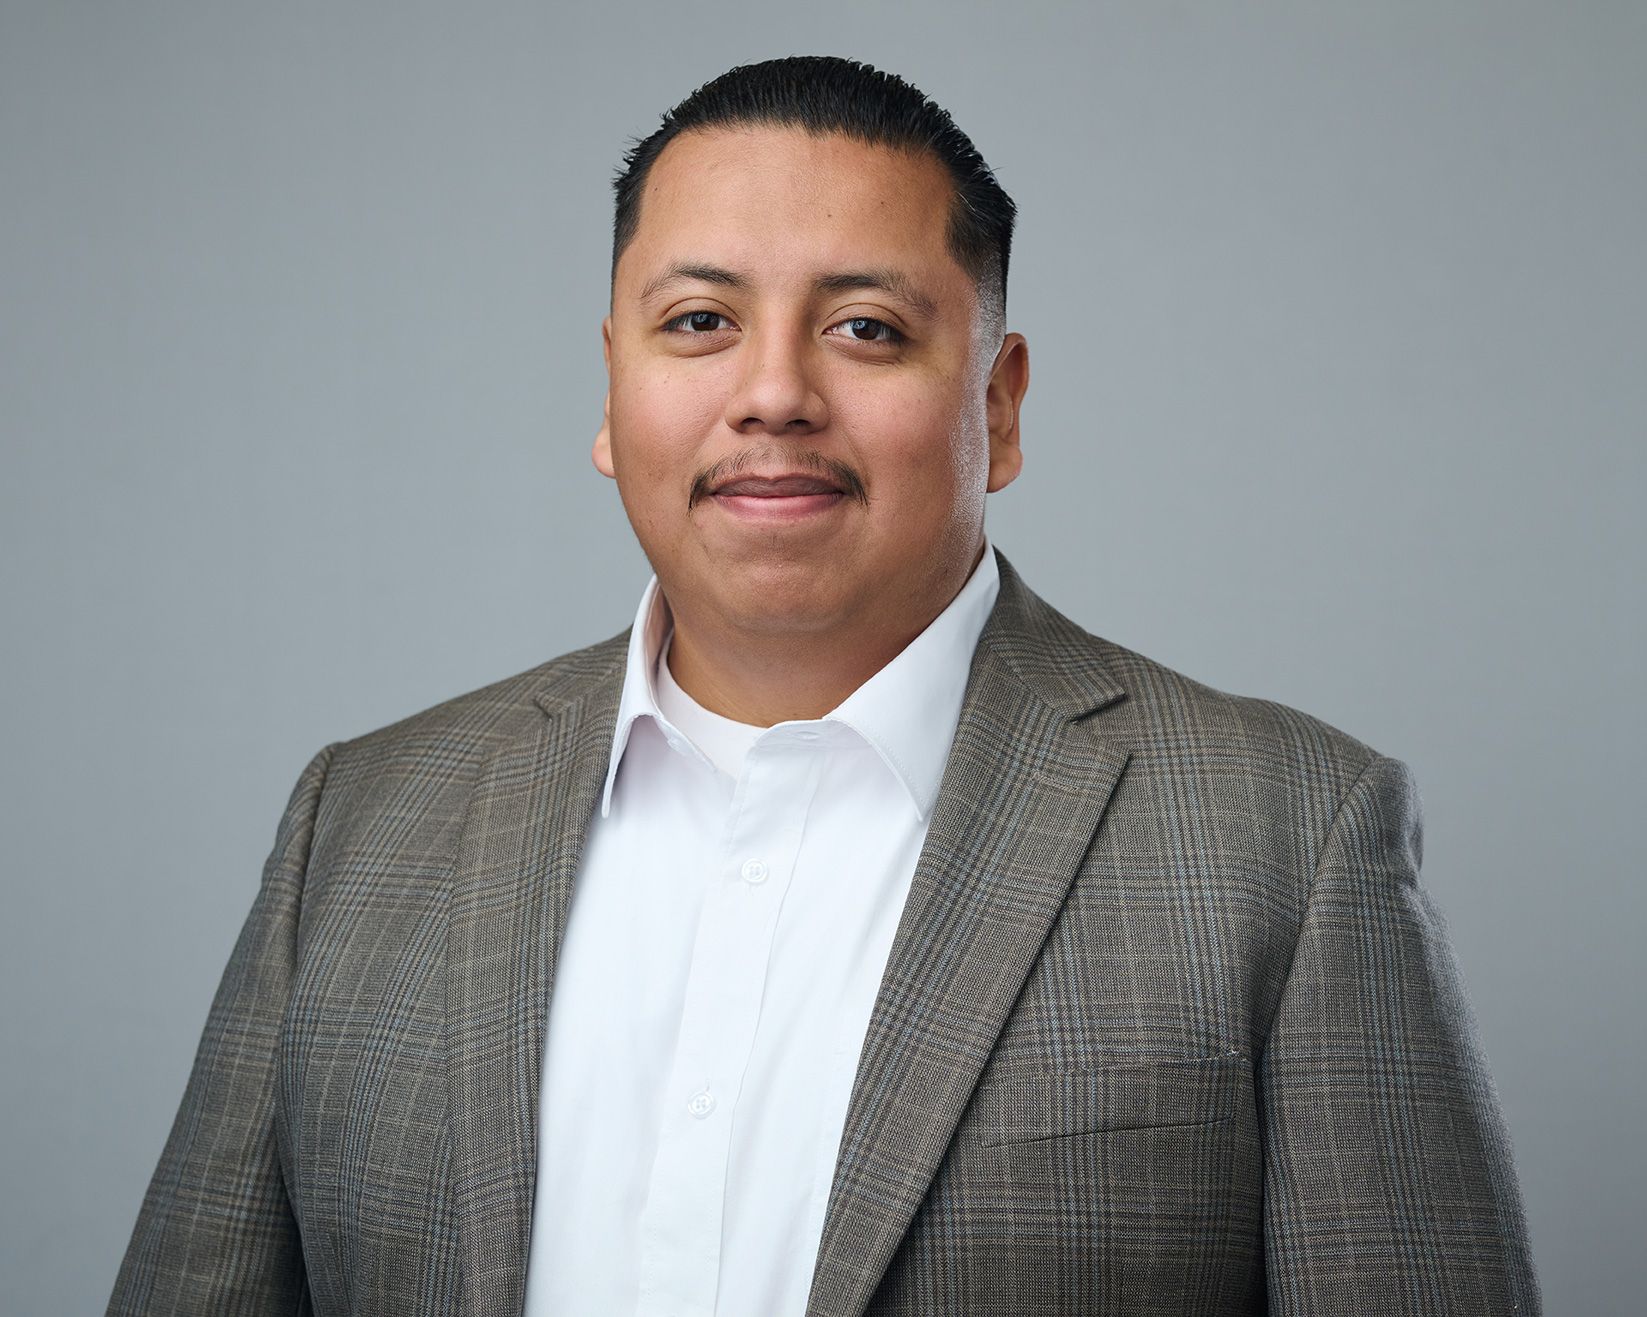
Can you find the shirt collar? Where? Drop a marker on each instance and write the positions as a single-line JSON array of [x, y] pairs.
[[907, 712], [909, 709], [652, 627]]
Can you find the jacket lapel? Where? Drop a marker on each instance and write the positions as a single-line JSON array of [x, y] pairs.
[[1028, 778], [517, 857]]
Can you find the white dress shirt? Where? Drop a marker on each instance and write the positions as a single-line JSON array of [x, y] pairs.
[[728, 930]]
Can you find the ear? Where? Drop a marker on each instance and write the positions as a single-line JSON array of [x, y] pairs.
[[602, 453], [1008, 381]]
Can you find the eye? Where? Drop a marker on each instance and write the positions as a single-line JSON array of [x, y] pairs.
[[697, 322], [865, 329]]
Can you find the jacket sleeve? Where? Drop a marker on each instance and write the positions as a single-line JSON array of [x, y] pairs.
[[216, 1234], [1388, 1181]]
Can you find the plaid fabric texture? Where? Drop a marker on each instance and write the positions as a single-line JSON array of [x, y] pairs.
[[1169, 1025]]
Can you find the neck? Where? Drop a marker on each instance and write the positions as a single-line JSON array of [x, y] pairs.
[[765, 679]]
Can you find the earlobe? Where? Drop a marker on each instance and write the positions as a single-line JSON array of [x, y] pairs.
[[602, 453], [1008, 382], [1005, 462]]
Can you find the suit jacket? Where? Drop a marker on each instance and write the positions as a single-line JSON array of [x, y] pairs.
[[1169, 1025]]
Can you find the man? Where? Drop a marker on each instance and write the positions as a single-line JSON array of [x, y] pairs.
[[855, 933]]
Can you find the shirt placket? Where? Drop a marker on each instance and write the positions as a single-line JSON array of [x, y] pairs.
[[680, 1224]]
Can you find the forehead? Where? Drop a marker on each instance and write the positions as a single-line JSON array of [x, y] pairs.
[[780, 199]]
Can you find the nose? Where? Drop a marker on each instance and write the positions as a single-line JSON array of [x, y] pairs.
[[776, 393]]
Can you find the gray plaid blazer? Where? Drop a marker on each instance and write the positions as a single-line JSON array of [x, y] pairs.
[[1169, 1025]]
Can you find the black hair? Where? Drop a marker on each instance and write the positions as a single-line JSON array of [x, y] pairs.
[[823, 94]]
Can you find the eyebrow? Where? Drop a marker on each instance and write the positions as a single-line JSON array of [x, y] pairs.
[[880, 279], [679, 274]]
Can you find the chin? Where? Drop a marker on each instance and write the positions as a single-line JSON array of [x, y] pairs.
[[778, 601], [784, 617]]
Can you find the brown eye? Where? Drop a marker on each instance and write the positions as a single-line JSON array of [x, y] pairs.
[[697, 322], [866, 329]]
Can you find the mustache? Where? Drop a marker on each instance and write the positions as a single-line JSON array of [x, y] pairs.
[[835, 470]]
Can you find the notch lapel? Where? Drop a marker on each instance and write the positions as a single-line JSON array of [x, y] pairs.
[[517, 856], [1027, 781]]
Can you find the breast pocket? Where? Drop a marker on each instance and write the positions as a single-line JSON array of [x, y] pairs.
[[1029, 1108], [1132, 1188]]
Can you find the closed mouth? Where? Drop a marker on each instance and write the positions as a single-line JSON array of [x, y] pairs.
[[811, 481], [788, 486]]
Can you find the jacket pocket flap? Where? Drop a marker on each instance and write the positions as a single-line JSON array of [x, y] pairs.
[[1127, 1096]]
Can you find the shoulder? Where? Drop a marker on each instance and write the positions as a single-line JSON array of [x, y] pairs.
[[460, 731], [1251, 769], [1165, 713], [1177, 716], [1247, 787]]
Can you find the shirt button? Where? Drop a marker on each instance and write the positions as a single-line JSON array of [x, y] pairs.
[[754, 872], [701, 1103]]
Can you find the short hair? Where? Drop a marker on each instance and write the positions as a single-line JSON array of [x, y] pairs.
[[823, 95]]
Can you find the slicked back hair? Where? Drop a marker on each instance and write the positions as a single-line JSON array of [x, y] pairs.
[[823, 94]]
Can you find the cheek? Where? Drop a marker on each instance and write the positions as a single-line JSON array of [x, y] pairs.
[[659, 422], [919, 442]]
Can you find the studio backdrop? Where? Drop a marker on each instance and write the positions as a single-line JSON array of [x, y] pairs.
[[1335, 321]]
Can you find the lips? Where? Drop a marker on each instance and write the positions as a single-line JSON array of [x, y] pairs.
[[795, 486]]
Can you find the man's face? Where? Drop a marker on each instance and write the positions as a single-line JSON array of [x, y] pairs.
[[806, 406]]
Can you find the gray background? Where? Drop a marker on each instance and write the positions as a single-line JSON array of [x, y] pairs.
[[1336, 324]]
